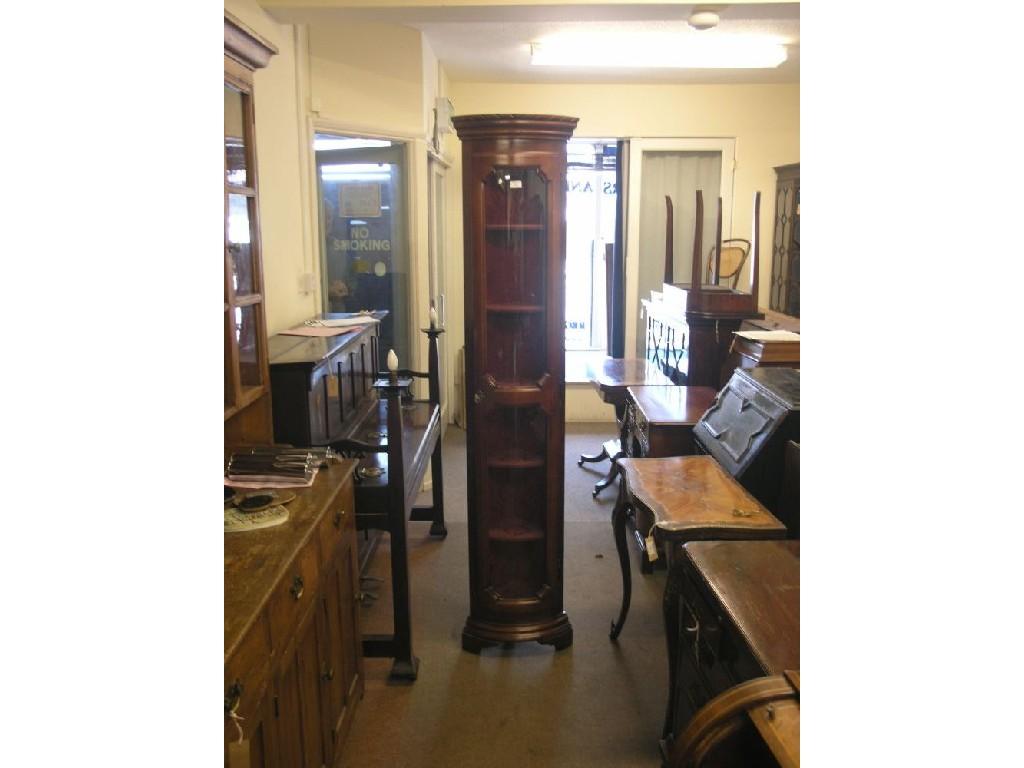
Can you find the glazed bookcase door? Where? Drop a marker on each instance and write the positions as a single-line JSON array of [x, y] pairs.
[[515, 259]]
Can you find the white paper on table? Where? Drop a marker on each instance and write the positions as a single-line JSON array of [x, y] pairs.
[[342, 322]]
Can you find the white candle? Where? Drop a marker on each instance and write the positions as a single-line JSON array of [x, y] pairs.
[[392, 361], [433, 318]]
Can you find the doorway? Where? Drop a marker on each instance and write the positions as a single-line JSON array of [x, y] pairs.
[[364, 252]]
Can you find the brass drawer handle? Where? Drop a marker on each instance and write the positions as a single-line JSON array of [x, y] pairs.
[[297, 586], [233, 698], [338, 517]]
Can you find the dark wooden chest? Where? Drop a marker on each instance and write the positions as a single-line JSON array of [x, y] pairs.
[[322, 386], [747, 427], [739, 617]]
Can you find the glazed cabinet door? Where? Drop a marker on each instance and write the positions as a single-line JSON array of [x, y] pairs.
[[514, 234], [517, 372]]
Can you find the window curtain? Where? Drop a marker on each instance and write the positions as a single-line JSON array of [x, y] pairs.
[[678, 175]]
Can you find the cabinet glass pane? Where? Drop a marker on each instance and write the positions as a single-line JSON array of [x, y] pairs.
[[515, 266], [234, 137], [515, 238], [516, 347], [239, 243], [515, 197], [229, 371], [247, 334]]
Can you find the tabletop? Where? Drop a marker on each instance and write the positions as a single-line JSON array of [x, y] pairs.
[[671, 404], [692, 496]]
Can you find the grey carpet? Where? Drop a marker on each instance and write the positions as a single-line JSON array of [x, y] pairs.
[[597, 703]]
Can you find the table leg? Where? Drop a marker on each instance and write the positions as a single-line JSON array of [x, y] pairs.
[[613, 473], [619, 531], [590, 459]]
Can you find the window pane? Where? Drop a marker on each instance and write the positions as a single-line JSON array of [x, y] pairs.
[[239, 245], [247, 337], [234, 137]]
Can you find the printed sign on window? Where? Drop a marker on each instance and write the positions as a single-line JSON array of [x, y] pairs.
[[359, 199]]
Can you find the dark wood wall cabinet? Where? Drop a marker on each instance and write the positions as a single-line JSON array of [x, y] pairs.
[[293, 668], [246, 380], [513, 184]]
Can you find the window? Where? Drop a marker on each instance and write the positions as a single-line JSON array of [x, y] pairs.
[[590, 231]]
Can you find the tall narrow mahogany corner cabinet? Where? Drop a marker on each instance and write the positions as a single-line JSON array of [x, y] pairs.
[[513, 180]]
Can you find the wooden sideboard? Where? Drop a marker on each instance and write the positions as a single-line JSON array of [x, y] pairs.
[[293, 666]]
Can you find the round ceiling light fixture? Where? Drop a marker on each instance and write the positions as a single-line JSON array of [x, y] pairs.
[[703, 19]]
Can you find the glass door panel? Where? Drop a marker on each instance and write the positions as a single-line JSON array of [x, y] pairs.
[[365, 255]]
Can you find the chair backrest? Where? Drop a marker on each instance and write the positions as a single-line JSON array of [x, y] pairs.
[[734, 255], [753, 724]]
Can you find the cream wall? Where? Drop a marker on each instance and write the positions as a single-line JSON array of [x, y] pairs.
[[764, 120], [279, 154], [368, 77]]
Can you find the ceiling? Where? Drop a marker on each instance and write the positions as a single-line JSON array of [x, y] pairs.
[[491, 43]]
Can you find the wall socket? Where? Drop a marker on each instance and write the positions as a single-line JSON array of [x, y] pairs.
[[307, 282]]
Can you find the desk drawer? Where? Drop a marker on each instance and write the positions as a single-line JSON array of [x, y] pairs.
[[294, 594], [340, 518], [247, 671]]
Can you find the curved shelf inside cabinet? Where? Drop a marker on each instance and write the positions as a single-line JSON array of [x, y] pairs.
[[518, 534], [516, 460], [516, 308], [515, 227]]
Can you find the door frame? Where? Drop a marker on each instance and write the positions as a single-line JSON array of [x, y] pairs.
[[637, 146]]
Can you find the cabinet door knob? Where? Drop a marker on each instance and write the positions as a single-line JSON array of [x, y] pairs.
[[338, 517], [328, 674], [297, 586]]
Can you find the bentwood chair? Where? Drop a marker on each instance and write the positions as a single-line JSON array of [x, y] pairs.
[[734, 255]]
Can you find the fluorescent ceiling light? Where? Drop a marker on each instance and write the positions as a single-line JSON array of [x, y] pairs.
[[720, 52]]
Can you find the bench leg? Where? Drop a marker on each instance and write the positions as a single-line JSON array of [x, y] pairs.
[[437, 527]]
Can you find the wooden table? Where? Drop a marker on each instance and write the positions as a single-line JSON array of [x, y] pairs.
[[661, 418], [612, 378], [676, 500]]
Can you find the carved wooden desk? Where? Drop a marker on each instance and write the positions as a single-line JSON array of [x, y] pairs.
[[660, 419], [680, 499], [612, 379]]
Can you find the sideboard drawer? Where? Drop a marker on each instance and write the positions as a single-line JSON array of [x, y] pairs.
[[294, 594], [339, 519]]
